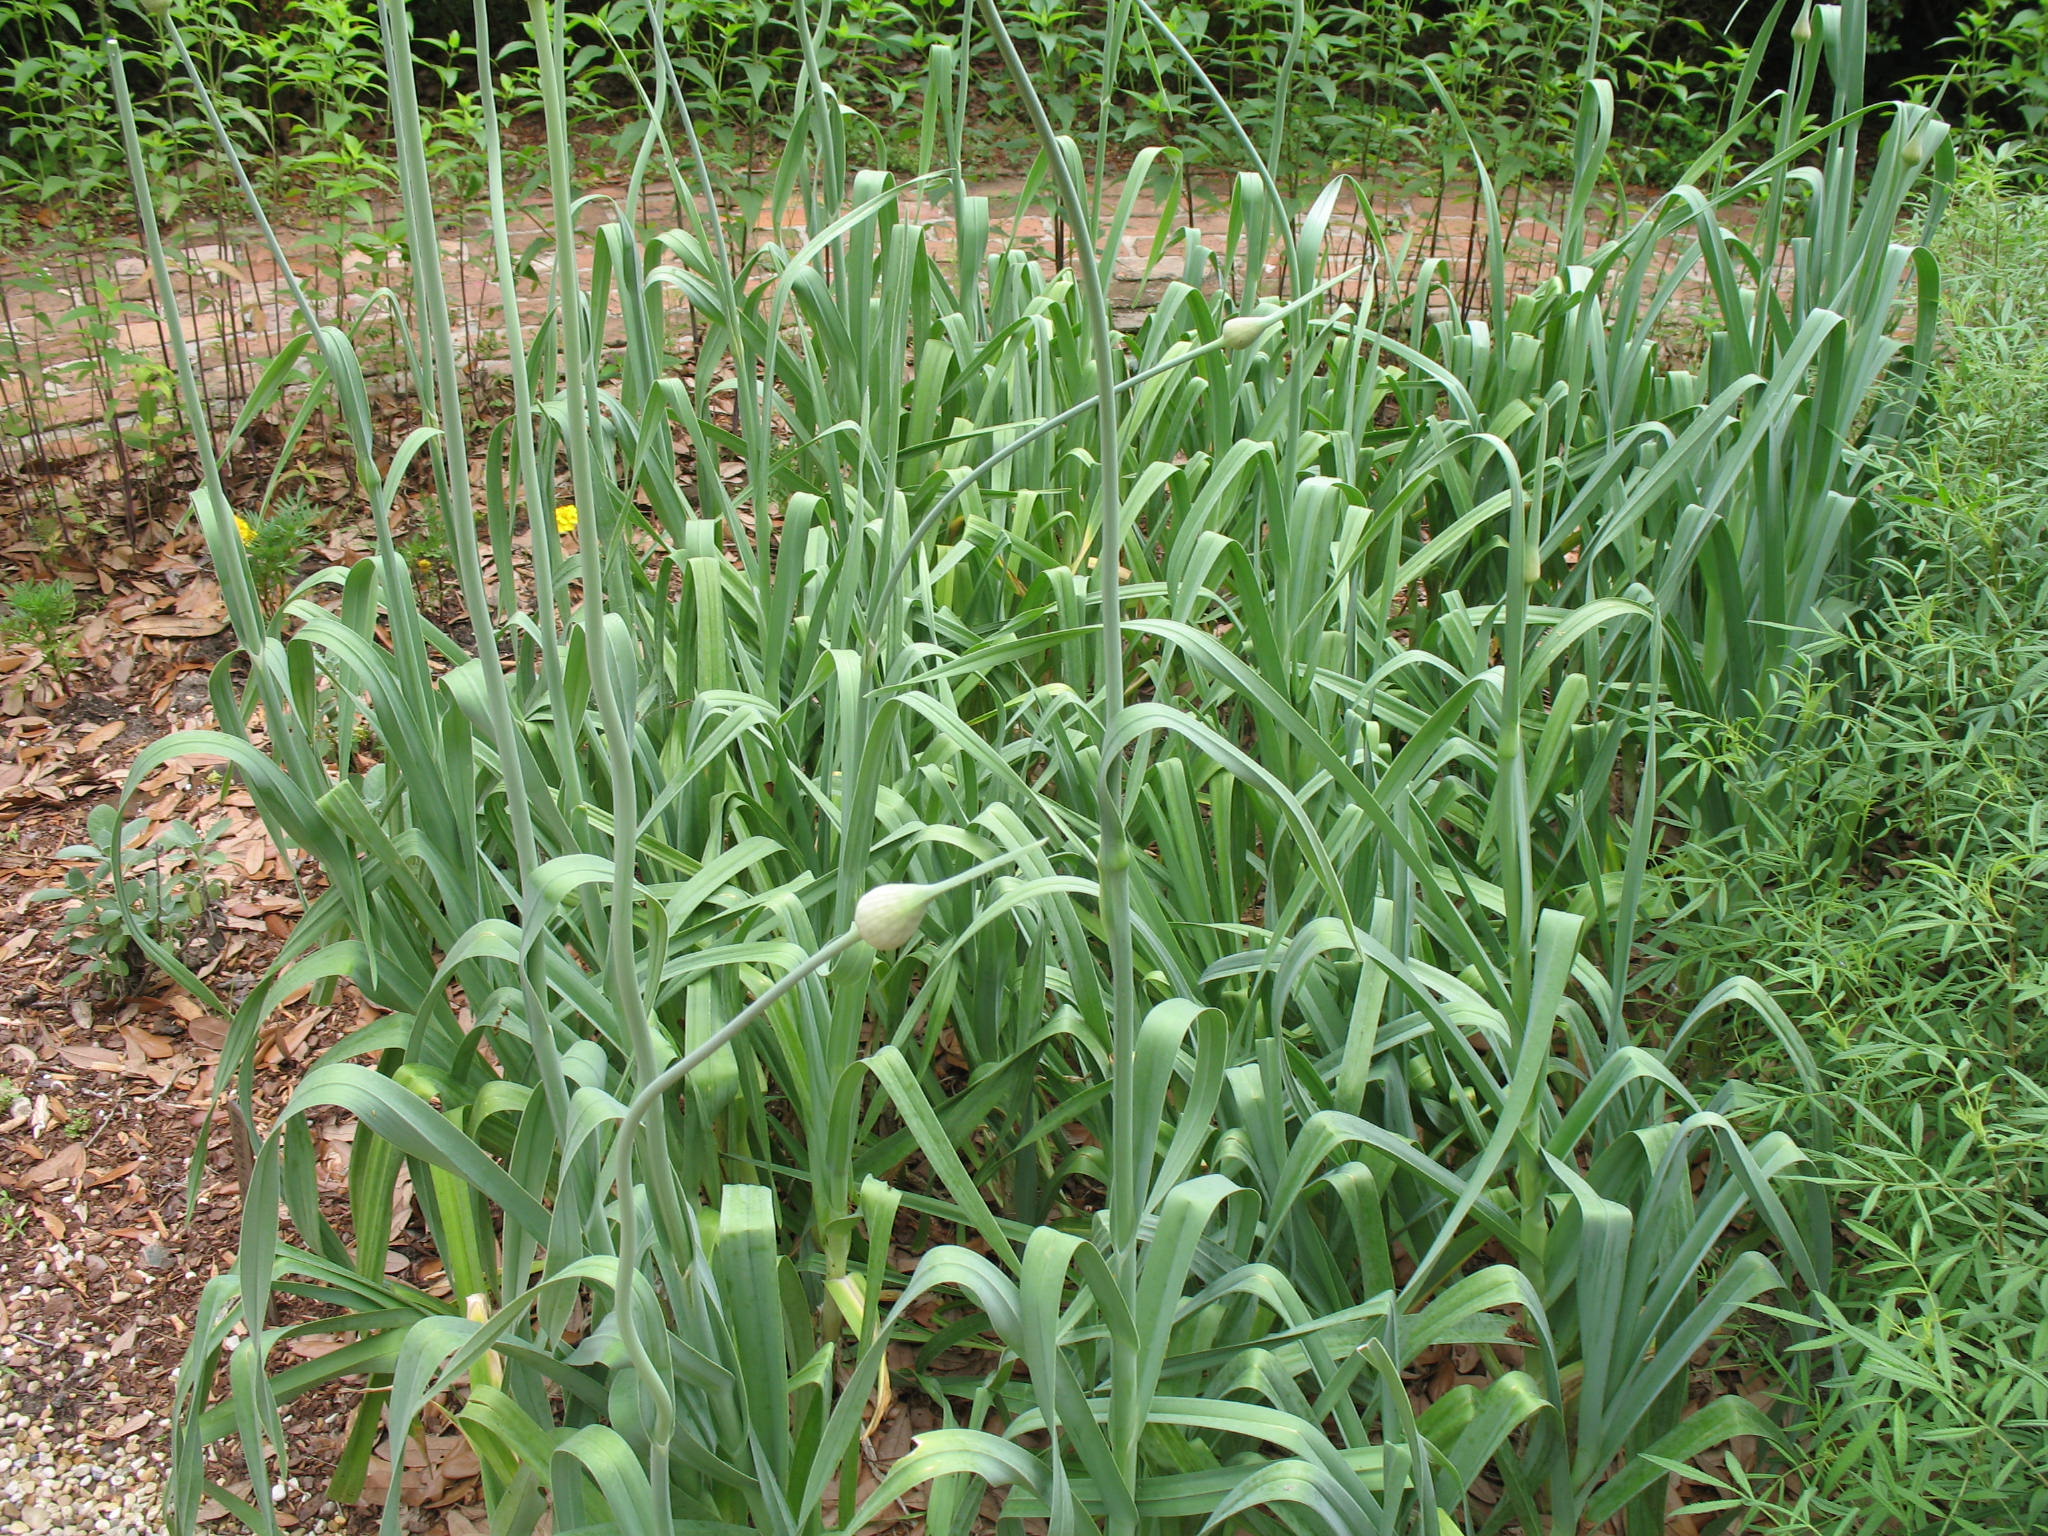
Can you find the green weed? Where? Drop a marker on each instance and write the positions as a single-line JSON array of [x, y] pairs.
[[1893, 898], [43, 614], [124, 900], [277, 546]]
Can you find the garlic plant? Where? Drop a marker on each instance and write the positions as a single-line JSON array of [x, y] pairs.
[[1241, 745]]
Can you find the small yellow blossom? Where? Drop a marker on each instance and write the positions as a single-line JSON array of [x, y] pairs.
[[566, 517], [245, 528]]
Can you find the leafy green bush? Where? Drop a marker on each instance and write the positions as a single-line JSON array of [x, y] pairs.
[[307, 85], [306, 89], [2003, 71]]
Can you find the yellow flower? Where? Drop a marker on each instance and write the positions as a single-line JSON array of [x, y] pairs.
[[245, 528], [566, 516]]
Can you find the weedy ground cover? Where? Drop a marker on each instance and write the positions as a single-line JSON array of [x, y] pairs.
[[1154, 826], [1890, 896]]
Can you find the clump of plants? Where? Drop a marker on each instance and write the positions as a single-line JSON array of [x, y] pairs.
[[1068, 896], [43, 614], [277, 545], [165, 890]]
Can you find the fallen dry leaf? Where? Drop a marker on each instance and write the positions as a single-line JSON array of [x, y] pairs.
[[100, 735], [155, 1047], [93, 1058], [62, 1166], [179, 626], [101, 1176], [121, 1429], [209, 1031]]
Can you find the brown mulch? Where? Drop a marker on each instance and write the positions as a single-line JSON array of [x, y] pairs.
[[102, 1258]]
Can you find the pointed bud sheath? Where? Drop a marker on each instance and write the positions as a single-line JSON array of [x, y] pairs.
[[157, 7], [490, 1368], [887, 917], [1802, 29], [1240, 332], [1915, 151]]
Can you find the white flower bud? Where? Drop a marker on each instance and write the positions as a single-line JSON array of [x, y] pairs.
[[490, 1370], [887, 917], [1241, 331]]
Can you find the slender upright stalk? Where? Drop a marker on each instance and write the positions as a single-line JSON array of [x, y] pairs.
[[1113, 849], [459, 515], [538, 487], [614, 702], [238, 590], [637, 1139]]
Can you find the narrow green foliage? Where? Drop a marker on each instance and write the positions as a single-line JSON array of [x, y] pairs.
[[1277, 725]]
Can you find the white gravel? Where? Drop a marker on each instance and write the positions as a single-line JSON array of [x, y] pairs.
[[52, 1480]]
